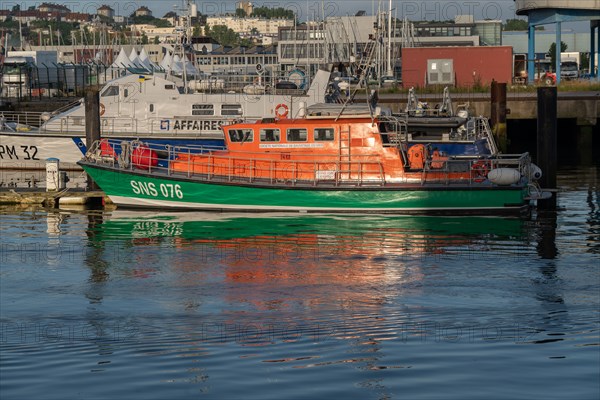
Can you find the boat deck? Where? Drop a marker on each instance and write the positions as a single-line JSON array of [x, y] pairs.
[[348, 179]]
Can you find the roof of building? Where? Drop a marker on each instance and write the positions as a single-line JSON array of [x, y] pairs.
[[58, 7]]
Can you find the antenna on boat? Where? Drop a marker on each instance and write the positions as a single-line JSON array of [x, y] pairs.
[[185, 39], [365, 66]]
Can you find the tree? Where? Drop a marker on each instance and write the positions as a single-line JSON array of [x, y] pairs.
[[144, 38], [515, 25], [518, 25], [240, 13], [156, 41], [223, 35], [247, 43], [161, 23], [585, 61], [65, 29], [269, 13], [552, 51], [147, 19]]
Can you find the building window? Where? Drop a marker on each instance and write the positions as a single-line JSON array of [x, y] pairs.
[[203, 109], [269, 135]]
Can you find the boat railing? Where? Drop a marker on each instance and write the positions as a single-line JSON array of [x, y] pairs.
[[21, 121], [478, 166], [76, 123], [214, 163], [393, 129], [248, 83]]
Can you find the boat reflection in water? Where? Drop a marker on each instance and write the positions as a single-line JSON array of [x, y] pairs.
[[291, 261]]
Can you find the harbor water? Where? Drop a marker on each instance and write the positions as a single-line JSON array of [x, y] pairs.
[[148, 305]]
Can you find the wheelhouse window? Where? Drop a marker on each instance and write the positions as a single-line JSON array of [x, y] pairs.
[[324, 134], [241, 135], [269, 135], [297, 135], [203, 109], [111, 91], [231, 109]]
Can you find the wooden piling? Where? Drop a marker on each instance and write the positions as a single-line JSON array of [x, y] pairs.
[[498, 116], [92, 124], [547, 139]]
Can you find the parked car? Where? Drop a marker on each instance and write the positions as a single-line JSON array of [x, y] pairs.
[[388, 80]]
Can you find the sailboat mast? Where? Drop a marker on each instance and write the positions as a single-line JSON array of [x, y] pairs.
[[389, 47]]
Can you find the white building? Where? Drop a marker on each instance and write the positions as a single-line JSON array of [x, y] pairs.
[[245, 26], [106, 11], [165, 35]]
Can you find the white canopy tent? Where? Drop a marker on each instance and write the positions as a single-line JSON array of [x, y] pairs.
[[122, 60], [146, 62]]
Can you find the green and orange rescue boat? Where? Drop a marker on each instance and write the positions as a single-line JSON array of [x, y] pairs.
[[350, 163]]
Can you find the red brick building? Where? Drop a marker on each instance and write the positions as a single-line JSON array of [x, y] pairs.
[[456, 66]]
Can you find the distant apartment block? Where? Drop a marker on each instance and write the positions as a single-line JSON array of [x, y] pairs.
[[51, 8], [165, 35], [245, 26]]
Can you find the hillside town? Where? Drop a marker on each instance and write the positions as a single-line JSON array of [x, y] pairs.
[[96, 43]]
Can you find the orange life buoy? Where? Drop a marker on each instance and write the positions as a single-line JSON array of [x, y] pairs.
[[102, 109], [283, 114], [479, 170]]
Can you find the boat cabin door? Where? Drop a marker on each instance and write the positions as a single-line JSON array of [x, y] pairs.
[[128, 99]]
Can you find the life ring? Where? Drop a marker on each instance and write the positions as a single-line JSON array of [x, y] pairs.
[[479, 170], [102, 109], [283, 114]]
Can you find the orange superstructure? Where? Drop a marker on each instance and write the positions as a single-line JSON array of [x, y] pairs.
[[313, 149]]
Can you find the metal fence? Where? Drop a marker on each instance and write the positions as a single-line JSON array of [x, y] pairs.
[[30, 82]]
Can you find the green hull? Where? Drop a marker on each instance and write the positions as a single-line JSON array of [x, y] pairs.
[[140, 189]]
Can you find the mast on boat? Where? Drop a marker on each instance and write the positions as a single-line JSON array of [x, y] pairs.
[[390, 72]]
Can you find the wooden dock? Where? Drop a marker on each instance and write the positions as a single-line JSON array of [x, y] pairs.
[[58, 199]]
